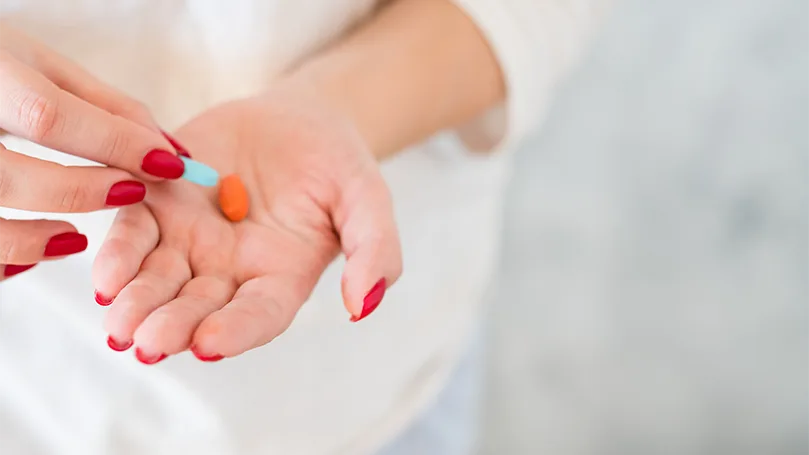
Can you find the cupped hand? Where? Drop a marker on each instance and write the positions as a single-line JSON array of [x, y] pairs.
[[49, 100], [180, 275]]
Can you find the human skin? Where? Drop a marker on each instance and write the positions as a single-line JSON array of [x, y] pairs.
[[49, 100], [180, 276]]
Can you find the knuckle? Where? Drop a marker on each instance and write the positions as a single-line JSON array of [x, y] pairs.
[[73, 198], [39, 115], [280, 314], [8, 249], [115, 145], [272, 311], [13, 248], [6, 182]]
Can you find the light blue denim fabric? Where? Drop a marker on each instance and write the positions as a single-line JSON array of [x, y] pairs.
[[451, 425]]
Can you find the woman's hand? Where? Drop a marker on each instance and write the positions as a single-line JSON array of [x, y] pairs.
[[49, 100], [184, 276]]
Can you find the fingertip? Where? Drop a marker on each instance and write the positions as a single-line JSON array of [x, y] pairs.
[[368, 273], [118, 345], [148, 358], [11, 270], [371, 300], [132, 237], [207, 336], [205, 356], [125, 192], [240, 326], [163, 164], [181, 150], [102, 299], [115, 265]]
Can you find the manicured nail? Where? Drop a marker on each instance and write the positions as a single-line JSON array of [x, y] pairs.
[[119, 346], [204, 357], [126, 193], [161, 163], [371, 300], [148, 359], [64, 244], [102, 300], [182, 151], [10, 269], [199, 173]]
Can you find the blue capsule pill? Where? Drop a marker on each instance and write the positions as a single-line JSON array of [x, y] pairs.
[[199, 173]]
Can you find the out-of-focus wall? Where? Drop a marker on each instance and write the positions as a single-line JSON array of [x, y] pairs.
[[653, 292]]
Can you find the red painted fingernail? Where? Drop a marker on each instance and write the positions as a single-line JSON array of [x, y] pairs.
[[206, 358], [148, 359], [161, 163], [119, 346], [64, 244], [371, 300], [177, 146], [101, 300], [11, 269], [126, 193]]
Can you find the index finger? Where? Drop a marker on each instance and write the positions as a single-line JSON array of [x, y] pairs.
[[34, 108]]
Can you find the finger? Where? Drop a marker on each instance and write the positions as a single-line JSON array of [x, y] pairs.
[[370, 241], [72, 78], [24, 242], [10, 270], [133, 235], [181, 150], [260, 311], [162, 275], [29, 183], [168, 329], [32, 107]]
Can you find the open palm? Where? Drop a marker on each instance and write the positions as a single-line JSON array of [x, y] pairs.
[[183, 276]]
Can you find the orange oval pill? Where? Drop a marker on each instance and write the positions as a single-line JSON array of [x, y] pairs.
[[233, 199]]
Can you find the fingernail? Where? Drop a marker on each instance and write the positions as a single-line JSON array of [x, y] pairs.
[[199, 173], [206, 358], [11, 269], [126, 193], [371, 300], [101, 300], [161, 163], [148, 359], [182, 151], [119, 346], [64, 244]]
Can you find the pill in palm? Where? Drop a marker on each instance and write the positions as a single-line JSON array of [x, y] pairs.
[[199, 173], [233, 199]]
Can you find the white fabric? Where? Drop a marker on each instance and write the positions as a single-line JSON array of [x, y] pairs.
[[326, 386]]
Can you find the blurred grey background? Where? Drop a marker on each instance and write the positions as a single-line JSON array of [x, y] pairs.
[[653, 292]]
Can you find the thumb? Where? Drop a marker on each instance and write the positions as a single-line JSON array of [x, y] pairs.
[[365, 222]]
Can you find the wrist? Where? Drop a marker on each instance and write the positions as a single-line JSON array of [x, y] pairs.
[[331, 89]]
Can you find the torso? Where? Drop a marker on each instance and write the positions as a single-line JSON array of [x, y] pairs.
[[325, 386]]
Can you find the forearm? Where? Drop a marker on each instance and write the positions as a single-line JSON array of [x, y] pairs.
[[416, 67]]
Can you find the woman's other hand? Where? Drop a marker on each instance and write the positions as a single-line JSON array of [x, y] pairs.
[[49, 100]]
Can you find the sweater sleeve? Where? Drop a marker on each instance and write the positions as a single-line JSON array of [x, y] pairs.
[[535, 42]]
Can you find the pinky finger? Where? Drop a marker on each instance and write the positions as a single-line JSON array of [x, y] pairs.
[[25, 242]]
